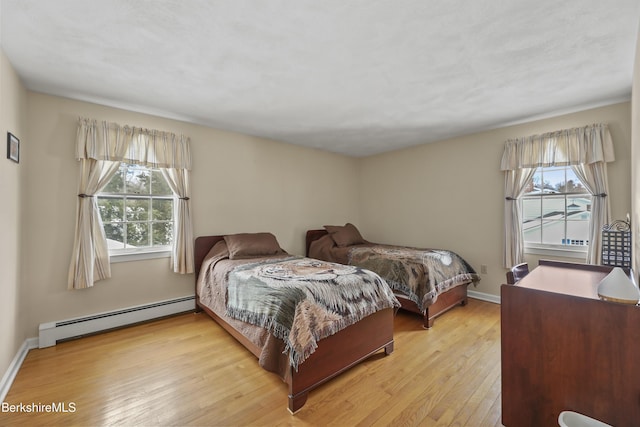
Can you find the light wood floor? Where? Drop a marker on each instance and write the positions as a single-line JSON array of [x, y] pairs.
[[186, 370]]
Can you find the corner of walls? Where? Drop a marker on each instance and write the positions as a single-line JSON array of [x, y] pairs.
[[449, 194], [13, 101], [240, 183], [635, 157]]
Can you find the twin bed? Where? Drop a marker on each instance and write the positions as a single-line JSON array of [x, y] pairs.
[[305, 319], [347, 334], [428, 282]]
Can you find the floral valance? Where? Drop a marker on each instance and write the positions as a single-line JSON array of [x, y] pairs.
[[152, 148], [585, 145]]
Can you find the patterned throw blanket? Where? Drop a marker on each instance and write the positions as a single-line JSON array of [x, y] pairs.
[[302, 300], [421, 274]]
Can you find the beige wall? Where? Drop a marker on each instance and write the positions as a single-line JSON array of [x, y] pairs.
[[449, 194], [240, 184], [12, 119], [635, 157]]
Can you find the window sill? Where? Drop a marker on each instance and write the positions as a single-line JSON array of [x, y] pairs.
[[138, 256], [577, 253]]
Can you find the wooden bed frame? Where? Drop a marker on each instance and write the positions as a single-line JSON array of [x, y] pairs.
[[334, 355], [445, 302]]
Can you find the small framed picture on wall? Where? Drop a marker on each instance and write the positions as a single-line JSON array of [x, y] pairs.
[[13, 147]]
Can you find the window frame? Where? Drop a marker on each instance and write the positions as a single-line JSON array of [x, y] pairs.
[[550, 249], [146, 252]]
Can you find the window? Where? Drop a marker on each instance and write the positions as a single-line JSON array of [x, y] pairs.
[[556, 210], [136, 208]]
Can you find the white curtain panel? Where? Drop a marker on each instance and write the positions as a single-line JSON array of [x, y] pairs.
[[586, 149], [182, 251], [594, 177], [515, 182], [100, 148], [90, 256]]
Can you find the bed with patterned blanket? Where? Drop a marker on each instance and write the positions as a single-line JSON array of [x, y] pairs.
[[304, 319], [425, 281]]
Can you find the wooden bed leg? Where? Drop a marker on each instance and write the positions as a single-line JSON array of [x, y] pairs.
[[463, 302], [427, 323], [388, 349], [297, 402]]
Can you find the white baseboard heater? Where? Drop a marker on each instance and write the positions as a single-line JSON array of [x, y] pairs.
[[52, 332]]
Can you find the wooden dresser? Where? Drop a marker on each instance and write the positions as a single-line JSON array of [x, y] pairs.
[[564, 349]]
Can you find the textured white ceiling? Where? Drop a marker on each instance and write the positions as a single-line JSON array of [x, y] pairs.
[[357, 77]]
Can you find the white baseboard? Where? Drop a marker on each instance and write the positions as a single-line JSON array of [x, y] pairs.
[[51, 332], [484, 296], [14, 367]]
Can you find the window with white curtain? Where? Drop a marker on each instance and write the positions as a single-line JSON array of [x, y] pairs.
[[136, 208], [556, 211], [550, 170], [101, 150]]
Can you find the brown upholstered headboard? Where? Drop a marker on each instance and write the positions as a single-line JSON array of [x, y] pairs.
[[313, 235], [201, 248]]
